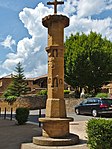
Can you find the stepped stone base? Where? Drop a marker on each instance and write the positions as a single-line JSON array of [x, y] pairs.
[[71, 139], [44, 142]]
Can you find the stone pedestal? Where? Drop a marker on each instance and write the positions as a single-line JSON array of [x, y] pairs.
[[55, 127]]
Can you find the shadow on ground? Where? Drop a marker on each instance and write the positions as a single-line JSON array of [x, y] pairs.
[[12, 135]]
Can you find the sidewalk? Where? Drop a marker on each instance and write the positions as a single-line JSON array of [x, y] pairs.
[[13, 135]]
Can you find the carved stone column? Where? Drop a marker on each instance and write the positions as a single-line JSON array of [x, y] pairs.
[[56, 123]]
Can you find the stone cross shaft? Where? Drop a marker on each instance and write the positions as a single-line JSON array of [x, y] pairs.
[[55, 3]]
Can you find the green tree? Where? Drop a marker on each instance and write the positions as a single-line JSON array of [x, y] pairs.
[[88, 60], [19, 84]]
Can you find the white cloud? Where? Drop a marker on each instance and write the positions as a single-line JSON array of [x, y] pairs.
[[70, 7], [8, 42], [90, 7], [86, 25], [31, 51]]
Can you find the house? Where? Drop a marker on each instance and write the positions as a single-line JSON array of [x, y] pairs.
[[107, 88], [40, 83], [34, 84], [4, 83]]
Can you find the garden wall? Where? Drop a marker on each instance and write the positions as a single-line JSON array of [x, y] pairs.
[[36, 102], [70, 103], [32, 102]]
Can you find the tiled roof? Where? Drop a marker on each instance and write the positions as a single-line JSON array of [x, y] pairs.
[[36, 78], [8, 76]]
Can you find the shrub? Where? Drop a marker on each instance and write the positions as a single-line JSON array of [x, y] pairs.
[[42, 92], [88, 95], [22, 115], [11, 99], [102, 95], [7, 93], [66, 91], [99, 133]]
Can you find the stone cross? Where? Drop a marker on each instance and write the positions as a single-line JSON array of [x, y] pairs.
[[55, 3]]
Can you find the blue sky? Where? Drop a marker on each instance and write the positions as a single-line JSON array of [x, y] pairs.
[[23, 38], [10, 24]]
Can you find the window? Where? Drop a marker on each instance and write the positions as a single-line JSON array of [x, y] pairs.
[[84, 102], [108, 101]]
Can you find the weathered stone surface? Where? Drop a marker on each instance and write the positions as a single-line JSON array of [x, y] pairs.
[[48, 20], [71, 139], [32, 102], [55, 108], [55, 127], [55, 25], [71, 103], [35, 103], [34, 146], [56, 124]]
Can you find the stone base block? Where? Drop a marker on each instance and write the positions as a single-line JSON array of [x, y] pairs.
[[71, 139], [33, 146]]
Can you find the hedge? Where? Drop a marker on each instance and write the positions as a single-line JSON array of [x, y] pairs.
[[99, 133]]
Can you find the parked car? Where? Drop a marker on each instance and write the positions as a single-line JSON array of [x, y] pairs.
[[94, 106]]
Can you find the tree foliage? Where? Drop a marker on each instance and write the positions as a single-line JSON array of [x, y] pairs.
[[88, 60], [18, 85]]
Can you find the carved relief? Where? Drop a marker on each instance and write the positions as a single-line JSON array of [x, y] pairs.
[[49, 80], [49, 53], [60, 81], [55, 53], [52, 52], [55, 82], [51, 63]]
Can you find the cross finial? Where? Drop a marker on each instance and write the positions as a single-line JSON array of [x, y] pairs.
[[55, 3]]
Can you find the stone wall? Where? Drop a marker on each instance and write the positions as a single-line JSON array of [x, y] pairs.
[[34, 102], [70, 104]]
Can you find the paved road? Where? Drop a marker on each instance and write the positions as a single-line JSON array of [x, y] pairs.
[[79, 117], [34, 116]]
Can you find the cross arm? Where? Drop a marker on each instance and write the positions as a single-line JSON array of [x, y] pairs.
[[52, 3]]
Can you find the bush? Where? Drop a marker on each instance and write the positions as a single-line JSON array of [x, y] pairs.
[[66, 91], [22, 115], [99, 133], [88, 95], [102, 95], [11, 99], [42, 92], [7, 93]]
